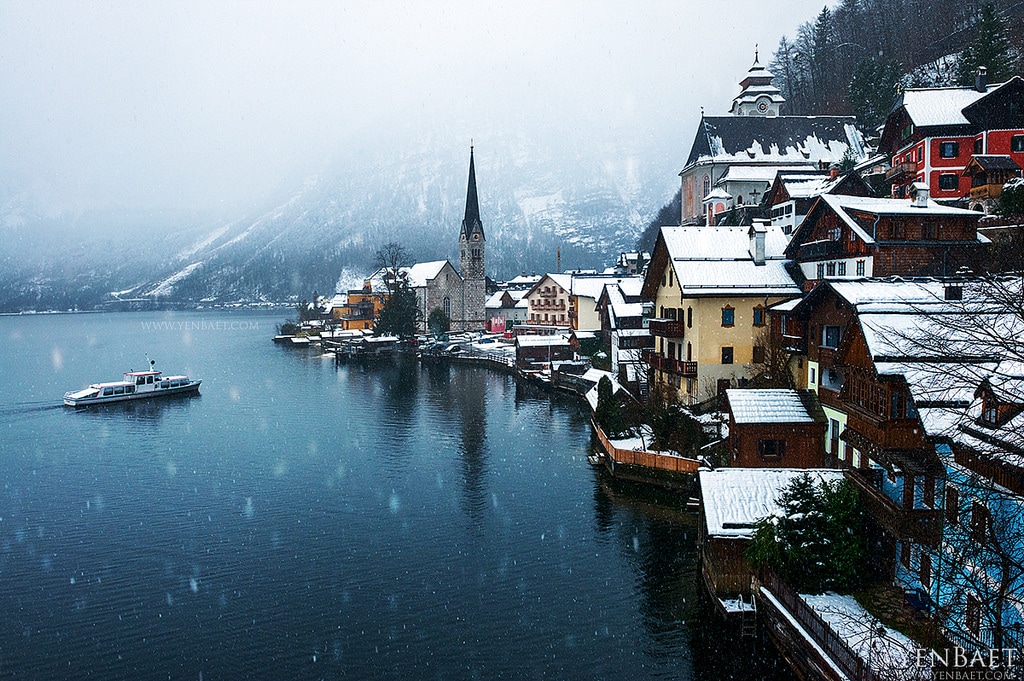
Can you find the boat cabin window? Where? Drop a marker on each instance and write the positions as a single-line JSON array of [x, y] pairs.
[[108, 391], [149, 380], [119, 390], [129, 389]]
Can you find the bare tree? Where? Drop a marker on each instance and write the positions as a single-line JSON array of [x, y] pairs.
[[390, 259]]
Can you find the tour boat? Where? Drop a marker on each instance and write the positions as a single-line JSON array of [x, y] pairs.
[[135, 385]]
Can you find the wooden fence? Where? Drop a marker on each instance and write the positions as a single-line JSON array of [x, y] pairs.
[[665, 462], [852, 665]]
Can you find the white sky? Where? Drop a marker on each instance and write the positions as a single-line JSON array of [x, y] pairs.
[[187, 104]]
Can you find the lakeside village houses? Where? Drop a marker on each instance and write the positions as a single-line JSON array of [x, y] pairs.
[[778, 249]]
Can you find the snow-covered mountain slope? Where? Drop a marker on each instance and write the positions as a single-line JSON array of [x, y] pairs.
[[533, 200]]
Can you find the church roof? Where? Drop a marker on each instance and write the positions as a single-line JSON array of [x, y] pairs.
[[752, 140], [471, 223]]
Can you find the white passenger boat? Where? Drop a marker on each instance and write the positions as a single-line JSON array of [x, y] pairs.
[[135, 385]]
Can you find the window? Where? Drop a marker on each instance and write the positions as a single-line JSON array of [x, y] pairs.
[[979, 146], [726, 355], [689, 317], [830, 336], [980, 520], [707, 186], [841, 269], [447, 304], [989, 409], [830, 269], [860, 268], [952, 505], [954, 292], [925, 570], [812, 379], [949, 182], [949, 149], [897, 229], [1017, 143], [821, 270], [771, 449], [728, 316], [758, 354], [759, 316], [972, 617], [670, 278]]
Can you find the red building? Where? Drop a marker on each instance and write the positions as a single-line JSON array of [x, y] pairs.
[[932, 134]]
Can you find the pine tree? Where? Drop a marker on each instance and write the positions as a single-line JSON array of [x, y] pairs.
[[990, 49]]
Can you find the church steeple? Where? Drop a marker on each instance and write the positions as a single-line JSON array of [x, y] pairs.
[[758, 97], [471, 258], [471, 223]]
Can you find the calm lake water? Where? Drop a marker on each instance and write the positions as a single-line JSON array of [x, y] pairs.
[[300, 520]]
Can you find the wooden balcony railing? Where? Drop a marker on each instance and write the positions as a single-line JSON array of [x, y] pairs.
[[924, 525], [899, 171], [795, 344], [670, 365], [668, 328]]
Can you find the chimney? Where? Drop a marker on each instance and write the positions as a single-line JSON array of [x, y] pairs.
[[979, 80], [919, 195], [757, 232]]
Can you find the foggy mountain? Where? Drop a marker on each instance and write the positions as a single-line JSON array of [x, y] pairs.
[[591, 200]]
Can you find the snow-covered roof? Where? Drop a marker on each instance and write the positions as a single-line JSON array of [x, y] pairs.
[[735, 498], [494, 301], [719, 242], [939, 105], [717, 193], [779, 140], [738, 173], [523, 280], [767, 406], [716, 260], [419, 274], [541, 341], [734, 277]]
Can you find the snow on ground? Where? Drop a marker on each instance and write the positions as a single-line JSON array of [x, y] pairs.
[[884, 649]]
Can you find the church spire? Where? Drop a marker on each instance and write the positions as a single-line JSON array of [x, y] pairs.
[[471, 223]]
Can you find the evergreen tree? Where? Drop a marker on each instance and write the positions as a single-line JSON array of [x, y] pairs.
[[815, 541], [399, 314], [990, 49], [609, 413], [872, 90], [438, 322]]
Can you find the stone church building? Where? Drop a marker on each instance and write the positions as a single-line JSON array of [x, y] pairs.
[[461, 294]]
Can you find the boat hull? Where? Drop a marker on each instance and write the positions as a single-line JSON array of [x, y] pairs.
[[82, 402]]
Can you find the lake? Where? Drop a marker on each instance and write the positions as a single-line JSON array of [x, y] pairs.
[[300, 520]]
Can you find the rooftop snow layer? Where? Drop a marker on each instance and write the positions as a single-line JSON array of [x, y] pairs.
[[736, 498], [767, 406]]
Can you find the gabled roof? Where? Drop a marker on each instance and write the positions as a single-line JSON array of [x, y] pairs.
[[768, 406], [793, 140], [989, 162], [842, 204], [422, 272], [716, 261], [733, 499]]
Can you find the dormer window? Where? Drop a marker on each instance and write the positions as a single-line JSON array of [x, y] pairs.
[[989, 409]]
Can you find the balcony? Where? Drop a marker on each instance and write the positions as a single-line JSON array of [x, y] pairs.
[[901, 172], [920, 524], [794, 344], [821, 249], [987, 191], [667, 328], [671, 366]]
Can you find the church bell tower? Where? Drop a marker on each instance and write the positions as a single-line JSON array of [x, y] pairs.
[[471, 257]]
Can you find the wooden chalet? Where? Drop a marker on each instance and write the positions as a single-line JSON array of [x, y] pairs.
[[775, 428], [850, 237]]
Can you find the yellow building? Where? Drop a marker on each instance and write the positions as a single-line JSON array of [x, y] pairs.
[[711, 287], [358, 309]]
